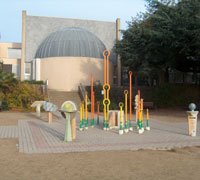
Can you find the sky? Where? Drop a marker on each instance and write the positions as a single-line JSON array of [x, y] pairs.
[[102, 10]]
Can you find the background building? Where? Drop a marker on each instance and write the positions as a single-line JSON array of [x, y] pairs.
[[66, 52], [10, 55]]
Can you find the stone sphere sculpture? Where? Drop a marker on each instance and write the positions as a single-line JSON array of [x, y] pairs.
[[192, 106]]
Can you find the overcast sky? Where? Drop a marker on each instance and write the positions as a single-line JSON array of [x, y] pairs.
[[103, 10]]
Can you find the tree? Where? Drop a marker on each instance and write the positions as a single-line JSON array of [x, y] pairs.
[[166, 36]]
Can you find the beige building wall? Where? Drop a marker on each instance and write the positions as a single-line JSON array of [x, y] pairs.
[[4, 48], [4, 54], [66, 73]]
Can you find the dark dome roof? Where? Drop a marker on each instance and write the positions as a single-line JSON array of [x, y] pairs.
[[71, 41]]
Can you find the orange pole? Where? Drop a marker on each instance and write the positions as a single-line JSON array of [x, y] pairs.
[[130, 97], [105, 67], [93, 108], [139, 100]]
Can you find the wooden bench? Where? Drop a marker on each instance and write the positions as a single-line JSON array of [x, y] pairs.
[[149, 105]]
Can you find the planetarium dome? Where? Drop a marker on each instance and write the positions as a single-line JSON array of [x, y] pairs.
[[71, 41]]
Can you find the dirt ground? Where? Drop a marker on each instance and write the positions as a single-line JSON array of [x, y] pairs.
[[143, 164]]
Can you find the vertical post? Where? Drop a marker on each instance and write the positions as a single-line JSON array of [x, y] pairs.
[[118, 37], [98, 109], [105, 67], [81, 117], [92, 101], [130, 101], [23, 55], [49, 117], [68, 133], [147, 120], [86, 111], [73, 126], [141, 128], [121, 123], [126, 111]]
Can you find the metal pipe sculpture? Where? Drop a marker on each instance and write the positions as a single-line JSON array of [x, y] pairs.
[[106, 89], [130, 101], [121, 105], [126, 113], [86, 111], [147, 121], [98, 112], [92, 102], [81, 117], [140, 122], [106, 103]]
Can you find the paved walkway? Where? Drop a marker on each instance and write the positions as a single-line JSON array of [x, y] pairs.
[[36, 136]]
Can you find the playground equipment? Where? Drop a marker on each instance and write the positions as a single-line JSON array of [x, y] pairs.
[[92, 102], [139, 113], [106, 103], [81, 116], [147, 120], [126, 115], [69, 109], [121, 105], [49, 107], [86, 111], [98, 112], [106, 89], [130, 101]]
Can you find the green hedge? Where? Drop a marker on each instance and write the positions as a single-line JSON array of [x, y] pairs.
[[21, 97]]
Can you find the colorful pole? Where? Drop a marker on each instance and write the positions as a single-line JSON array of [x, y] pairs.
[[86, 111], [147, 121], [126, 113], [138, 107], [141, 129], [130, 101], [106, 103], [92, 102], [121, 118], [98, 112], [81, 118]]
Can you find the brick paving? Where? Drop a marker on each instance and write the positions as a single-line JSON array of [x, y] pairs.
[[37, 136], [8, 132]]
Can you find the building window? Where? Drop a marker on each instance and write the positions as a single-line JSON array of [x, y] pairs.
[[14, 53]]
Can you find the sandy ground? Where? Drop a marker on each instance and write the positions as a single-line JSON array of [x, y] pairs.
[[144, 164]]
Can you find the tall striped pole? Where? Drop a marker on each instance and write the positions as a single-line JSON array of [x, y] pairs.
[[147, 121], [81, 118], [126, 112], [98, 111], [92, 101], [121, 118], [140, 123], [130, 101], [106, 89], [86, 111]]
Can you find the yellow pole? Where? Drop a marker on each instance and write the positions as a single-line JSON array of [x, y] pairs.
[[147, 121], [81, 113], [86, 111], [81, 118], [121, 123], [126, 111]]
